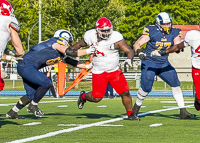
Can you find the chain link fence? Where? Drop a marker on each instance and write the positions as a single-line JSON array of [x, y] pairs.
[[14, 85]]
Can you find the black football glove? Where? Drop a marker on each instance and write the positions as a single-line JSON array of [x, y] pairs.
[[142, 56]]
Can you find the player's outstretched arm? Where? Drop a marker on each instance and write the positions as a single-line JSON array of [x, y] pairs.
[[172, 49], [79, 44], [175, 48]]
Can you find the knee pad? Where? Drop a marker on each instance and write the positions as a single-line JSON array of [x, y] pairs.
[[24, 100], [141, 94]]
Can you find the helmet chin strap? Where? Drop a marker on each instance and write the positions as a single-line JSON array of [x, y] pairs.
[[164, 30]]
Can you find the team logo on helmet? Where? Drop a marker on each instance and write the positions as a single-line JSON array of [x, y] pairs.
[[6, 8]]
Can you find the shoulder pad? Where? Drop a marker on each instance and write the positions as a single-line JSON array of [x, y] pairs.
[[14, 26], [145, 31], [176, 31], [62, 41]]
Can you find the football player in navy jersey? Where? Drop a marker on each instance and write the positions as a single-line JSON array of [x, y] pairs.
[[46, 53], [159, 37]]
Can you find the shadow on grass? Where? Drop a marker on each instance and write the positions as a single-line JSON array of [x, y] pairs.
[[6, 121], [94, 116], [173, 116]]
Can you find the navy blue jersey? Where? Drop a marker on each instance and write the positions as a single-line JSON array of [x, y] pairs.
[[159, 41], [43, 54]]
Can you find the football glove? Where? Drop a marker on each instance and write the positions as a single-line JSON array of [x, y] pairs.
[[128, 62], [155, 53], [142, 56], [13, 59], [158, 53], [91, 50], [14, 53], [89, 66]]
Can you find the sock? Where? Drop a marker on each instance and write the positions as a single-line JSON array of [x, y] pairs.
[[139, 101], [178, 96], [83, 96], [19, 106], [15, 109], [34, 103], [180, 101], [129, 112]]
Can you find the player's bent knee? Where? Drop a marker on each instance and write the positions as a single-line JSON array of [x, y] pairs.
[[96, 100], [198, 94], [141, 94], [125, 93], [24, 100]]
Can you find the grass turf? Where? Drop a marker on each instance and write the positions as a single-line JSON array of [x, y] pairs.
[[58, 118]]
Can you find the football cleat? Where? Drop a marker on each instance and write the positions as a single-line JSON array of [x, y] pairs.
[[35, 110], [133, 117], [184, 114], [81, 102], [13, 115]]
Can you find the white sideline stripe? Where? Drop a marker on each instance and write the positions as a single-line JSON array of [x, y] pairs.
[[40, 102], [86, 126]]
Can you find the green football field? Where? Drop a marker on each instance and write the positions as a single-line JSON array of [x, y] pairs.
[[101, 122]]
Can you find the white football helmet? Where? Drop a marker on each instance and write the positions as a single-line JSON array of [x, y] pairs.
[[64, 34], [104, 28], [164, 18], [6, 8]]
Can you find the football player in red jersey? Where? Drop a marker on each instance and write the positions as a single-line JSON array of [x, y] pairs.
[[105, 64], [9, 31]]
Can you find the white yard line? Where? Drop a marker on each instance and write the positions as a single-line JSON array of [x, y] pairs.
[[86, 126]]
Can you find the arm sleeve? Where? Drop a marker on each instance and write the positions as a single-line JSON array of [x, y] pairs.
[[70, 61], [14, 26]]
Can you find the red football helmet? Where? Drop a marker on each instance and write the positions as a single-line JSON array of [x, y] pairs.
[[104, 28], [6, 8]]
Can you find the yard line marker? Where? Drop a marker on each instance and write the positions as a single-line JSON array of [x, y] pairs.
[[102, 106], [156, 125], [87, 126], [33, 123], [106, 125], [63, 106]]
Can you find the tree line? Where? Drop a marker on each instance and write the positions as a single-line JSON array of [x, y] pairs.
[[127, 16]]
